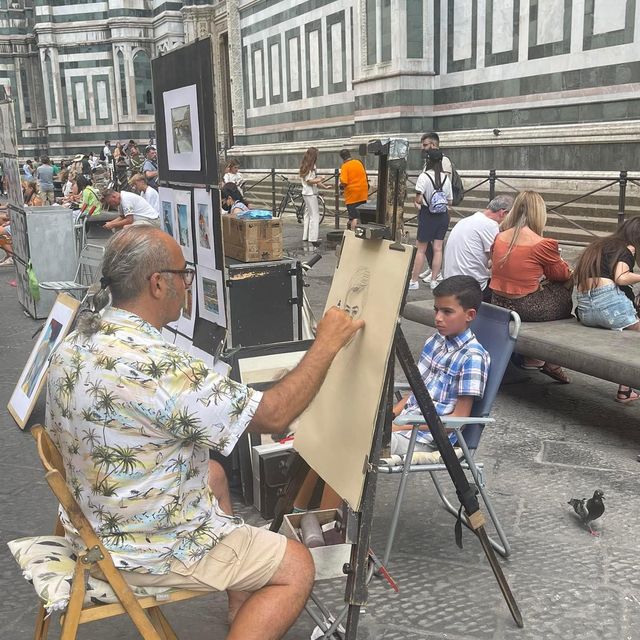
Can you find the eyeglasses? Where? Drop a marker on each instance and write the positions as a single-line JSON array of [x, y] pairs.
[[187, 275]]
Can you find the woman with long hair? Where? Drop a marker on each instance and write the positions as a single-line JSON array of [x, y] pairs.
[[528, 275], [432, 225], [603, 277], [310, 184], [31, 193]]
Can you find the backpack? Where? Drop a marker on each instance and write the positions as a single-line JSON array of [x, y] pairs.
[[457, 186], [438, 200], [102, 156]]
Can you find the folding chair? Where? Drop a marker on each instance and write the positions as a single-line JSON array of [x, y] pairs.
[[497, 330], [153, 626], [87, 273]]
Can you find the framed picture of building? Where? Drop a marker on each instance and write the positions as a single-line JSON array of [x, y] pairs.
[[33, 376], [185, 129]]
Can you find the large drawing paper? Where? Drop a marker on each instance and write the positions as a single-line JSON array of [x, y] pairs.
[[203, 214], [182, 128], [336, 432]]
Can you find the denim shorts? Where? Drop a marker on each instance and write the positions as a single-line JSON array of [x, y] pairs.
[[606, 307]]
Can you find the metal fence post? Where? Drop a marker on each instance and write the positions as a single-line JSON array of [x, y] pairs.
[[622, 196], [273, 190], [492, 184], [336, 193]]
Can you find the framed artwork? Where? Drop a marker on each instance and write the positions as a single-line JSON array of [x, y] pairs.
[[186, 134], [167, 211], [205, 237], [187, 319], [182, 128], [184, 228], [33, 376], [211, 295]]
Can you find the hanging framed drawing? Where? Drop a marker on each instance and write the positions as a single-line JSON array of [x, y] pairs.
[[187, 318], [211, 296], [33, 376], [205, 237], [182, 128], [184, 230], [167, 211]]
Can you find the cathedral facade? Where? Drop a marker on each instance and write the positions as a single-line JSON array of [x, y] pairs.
[[518, 84]]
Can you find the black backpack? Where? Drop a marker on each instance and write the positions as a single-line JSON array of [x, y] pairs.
[[457, 186]]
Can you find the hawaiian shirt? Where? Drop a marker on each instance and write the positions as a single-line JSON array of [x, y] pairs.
[[134, 418], [450, 367]]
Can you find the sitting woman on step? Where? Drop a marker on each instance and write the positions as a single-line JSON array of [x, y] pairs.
[[603, 277], [528, 275]]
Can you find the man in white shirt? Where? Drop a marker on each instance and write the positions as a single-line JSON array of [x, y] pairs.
[[140, 184], [134, 209], [468, 250]]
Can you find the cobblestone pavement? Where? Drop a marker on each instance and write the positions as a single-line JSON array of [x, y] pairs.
[[550, 443]]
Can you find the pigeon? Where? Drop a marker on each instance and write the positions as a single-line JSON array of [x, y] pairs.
[[589, 510]]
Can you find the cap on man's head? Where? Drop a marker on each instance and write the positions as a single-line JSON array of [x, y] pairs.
[[78, 157]]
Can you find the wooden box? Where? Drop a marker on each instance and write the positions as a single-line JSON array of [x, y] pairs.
[[252, 240]]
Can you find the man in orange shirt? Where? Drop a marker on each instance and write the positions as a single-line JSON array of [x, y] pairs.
[[355, 184]]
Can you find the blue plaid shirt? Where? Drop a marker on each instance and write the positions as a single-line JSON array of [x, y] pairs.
[[450, 367]]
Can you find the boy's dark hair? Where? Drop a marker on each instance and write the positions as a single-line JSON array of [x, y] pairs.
[[465, 289], [345, 154], [430, 135]]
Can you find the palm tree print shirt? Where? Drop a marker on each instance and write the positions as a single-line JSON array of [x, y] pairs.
[[134, 418]]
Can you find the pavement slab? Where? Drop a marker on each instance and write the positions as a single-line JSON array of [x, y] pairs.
[[550, 442]]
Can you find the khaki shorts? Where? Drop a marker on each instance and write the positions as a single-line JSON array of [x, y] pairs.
[[245, 560]]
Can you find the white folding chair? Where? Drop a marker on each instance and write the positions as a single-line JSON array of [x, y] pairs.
[[497, 330]]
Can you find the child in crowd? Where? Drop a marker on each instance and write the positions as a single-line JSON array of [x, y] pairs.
[[453, 364], [232, 174]]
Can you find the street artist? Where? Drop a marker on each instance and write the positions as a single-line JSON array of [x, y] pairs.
[[134, 418]]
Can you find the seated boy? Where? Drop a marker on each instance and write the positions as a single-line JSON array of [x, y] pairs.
[[453, 364]]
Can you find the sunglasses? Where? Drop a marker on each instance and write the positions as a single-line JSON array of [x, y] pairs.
[[187, 274]]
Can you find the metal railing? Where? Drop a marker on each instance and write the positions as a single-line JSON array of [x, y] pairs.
[[491, 180]]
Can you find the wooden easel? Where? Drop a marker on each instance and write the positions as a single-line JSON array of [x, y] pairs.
[[361, 566]]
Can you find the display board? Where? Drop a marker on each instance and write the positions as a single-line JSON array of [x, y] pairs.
[[335, 434], [185, 122], [189, 196]]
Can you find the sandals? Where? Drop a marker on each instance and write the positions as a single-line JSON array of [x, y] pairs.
[[556, 372], [628, 396]]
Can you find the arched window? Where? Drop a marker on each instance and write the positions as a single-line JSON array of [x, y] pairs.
[[123, 84], [142, 73], [50, 86]]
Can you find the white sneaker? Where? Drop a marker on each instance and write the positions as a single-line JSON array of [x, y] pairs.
[[434, 283], [414, 285], [425, 276]]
